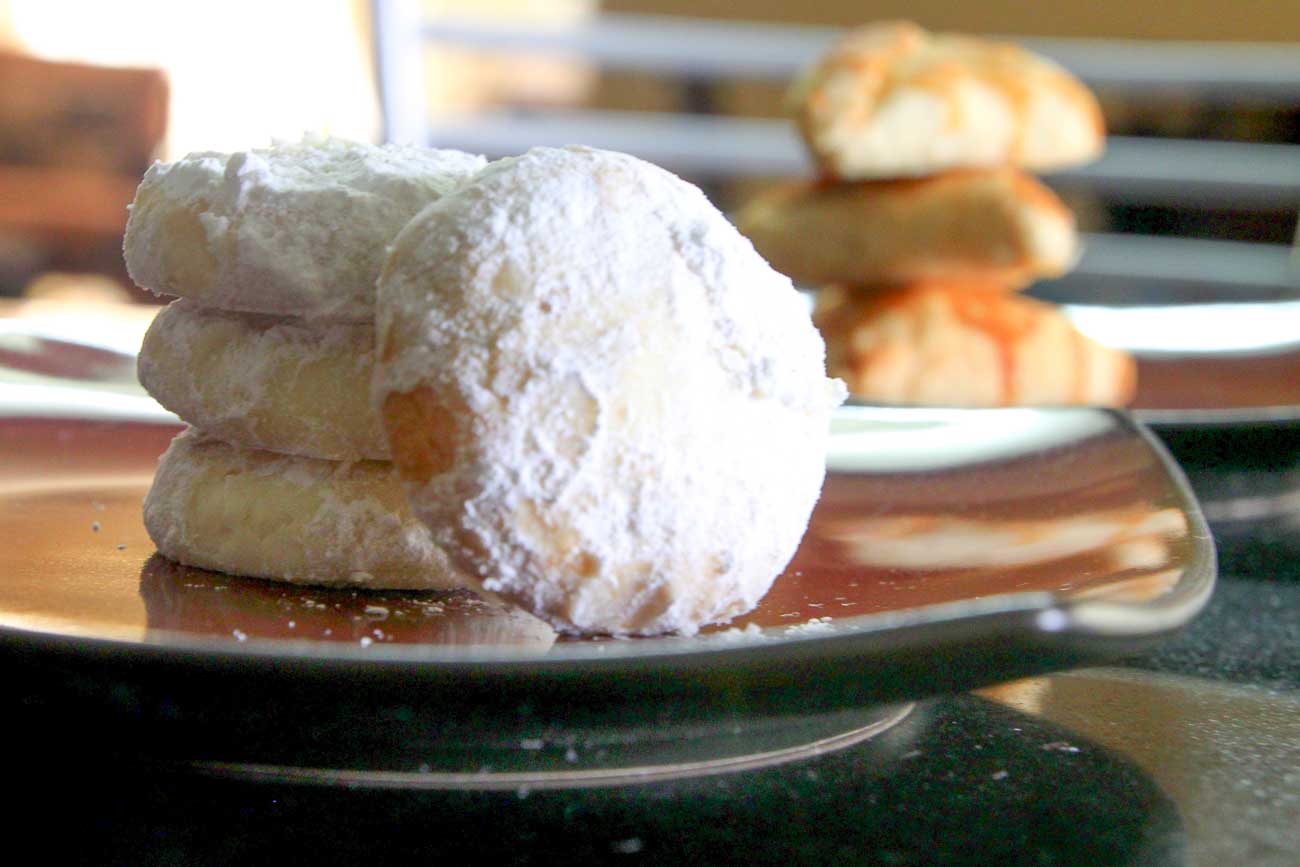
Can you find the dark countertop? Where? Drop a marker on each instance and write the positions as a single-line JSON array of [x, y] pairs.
[[1187, 753], [1249, 634]]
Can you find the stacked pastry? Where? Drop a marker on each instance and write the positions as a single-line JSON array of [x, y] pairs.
[[284, 472], [580, 374], [925, 221]]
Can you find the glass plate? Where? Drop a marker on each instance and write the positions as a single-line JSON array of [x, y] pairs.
[[1215, 365], [950, 549]]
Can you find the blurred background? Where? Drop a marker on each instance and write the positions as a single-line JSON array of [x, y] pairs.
[[1196, 198]]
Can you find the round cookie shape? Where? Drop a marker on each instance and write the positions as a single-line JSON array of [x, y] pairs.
[[287, 518], [266, 382], [603, 402], [295, 229]]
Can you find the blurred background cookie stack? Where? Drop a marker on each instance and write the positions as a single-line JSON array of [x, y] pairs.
[[925, 221], [284, 472]]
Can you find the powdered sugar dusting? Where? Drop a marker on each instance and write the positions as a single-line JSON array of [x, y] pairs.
[[645, 407], [298, 519], [294, 229], [266, 382]]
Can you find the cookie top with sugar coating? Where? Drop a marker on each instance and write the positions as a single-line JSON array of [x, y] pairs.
[[296, 229], [602, 400]]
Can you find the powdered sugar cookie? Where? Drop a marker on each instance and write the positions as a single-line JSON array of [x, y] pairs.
[[295, 229], [603, 402], [295, 519], [266, 382]]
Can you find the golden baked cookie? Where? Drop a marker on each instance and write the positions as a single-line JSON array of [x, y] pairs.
[[995, 225], [892, 100], [287, 518], [945, 344], [288, 385]]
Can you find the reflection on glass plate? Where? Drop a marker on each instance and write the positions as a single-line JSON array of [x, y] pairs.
[[950, 549], [187, 601], [928, 517]]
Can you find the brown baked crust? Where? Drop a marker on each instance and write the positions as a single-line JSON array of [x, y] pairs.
[[993, 225], [424, 433], [969, 102], [944, 344]]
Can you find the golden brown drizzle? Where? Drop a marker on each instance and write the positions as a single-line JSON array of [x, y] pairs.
[[1078, 392], [1006, 322]]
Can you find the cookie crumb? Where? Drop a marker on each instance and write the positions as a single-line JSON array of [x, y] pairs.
[[630, 846]]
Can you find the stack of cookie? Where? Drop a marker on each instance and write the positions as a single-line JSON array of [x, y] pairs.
[[284, 472], [561, 381], [925, 222]]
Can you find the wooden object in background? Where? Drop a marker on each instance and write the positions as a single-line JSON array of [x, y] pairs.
[[74, 141]]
